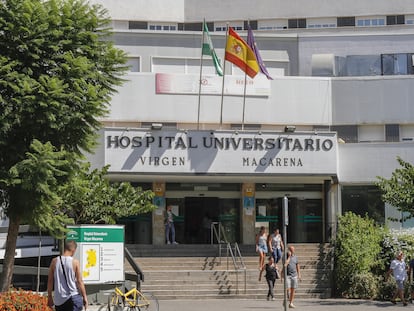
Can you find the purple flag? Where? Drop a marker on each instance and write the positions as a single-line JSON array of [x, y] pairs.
[[252, 44]]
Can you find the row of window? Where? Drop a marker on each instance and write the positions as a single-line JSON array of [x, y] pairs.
[[366, 65], [350, 21], [347, 133]]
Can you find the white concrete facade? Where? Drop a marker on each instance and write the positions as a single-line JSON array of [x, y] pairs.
[[367, 105]]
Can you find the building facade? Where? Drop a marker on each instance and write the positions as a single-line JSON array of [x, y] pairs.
[[336, 115]]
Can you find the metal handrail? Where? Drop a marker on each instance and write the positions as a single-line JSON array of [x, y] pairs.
[[235, 254], [135, 267]]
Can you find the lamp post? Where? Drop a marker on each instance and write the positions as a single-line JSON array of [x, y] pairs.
[[285, 206]]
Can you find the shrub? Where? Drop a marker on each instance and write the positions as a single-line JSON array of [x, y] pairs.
[[363, 253], [357, 246], [20, 300], [363, 285]]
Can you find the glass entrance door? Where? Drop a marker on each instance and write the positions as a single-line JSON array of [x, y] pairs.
[[305, 221], [199, 212], [305, 218]]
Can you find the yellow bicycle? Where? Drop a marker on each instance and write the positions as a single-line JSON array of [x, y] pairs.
[[132, 300]]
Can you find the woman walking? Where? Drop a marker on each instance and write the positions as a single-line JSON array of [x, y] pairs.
[[272, 274], [261, 246]]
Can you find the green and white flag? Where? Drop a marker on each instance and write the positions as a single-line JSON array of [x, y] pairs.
[[208, 49]]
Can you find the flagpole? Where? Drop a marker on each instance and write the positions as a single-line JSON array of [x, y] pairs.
[[199, 80], [244, 100], [224, 74], [244, 90]]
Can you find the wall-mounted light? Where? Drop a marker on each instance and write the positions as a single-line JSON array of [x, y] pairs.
[[290, 128], [156, 126]]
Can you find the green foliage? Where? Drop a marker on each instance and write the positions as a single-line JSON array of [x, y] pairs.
[[363, 253], [33, 183], [91, 198], [398, 191], [58, 70], [363, 286], [357, 247]]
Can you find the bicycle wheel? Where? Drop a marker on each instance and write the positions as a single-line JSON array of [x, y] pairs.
[[115, 303], [146, 303]]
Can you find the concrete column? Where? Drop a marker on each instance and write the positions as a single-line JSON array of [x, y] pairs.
[[158, 228], [333, 209], [248, 213]]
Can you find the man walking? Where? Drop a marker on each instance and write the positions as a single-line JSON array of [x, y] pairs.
[[65, 279], [399, 271], [293, 275]]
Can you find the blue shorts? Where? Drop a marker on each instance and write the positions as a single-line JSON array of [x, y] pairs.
[[400, 284], [262, 249]]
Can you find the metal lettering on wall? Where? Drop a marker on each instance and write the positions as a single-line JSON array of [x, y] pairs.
[[216, 152]]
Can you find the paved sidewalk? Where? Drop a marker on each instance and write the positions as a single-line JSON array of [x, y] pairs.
[[251, 304]]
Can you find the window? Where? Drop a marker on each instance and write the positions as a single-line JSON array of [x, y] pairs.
[[321, 23], [392, 132], [224, 27], [345, 21], [178, 65], [253, 25], [396, 64], [409, 19], [134, 64], [370, 22], [363, 65], [407, 132], [193, 26], [349, 133], [272, 24], [137, 25], [395, 19], [371, 133], [165, 27], [363, 200], [297, 23]]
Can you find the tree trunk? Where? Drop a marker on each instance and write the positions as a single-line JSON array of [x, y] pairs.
[[8, 263]]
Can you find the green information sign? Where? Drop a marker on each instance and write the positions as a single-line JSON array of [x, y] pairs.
[[100, 252]]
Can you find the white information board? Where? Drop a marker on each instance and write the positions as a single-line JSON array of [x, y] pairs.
[[100, 252]]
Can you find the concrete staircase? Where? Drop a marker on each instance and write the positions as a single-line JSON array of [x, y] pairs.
[[196, 271]]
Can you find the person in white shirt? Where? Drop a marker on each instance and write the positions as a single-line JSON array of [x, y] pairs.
[[398, 269], [276, 245], [65, 281]]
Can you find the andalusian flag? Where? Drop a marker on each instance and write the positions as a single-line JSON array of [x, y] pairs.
[[240, 54], [208, 49]]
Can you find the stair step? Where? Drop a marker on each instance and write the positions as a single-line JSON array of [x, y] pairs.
[[196, 271]]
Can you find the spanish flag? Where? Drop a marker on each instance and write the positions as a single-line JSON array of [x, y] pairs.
[[240, 54]]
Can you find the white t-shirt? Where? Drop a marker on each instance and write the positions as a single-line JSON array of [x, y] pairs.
[[276, 241], [398, 269]]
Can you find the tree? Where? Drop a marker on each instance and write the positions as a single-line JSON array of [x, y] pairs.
[[91, 198], [58, 70], [398, 191]]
